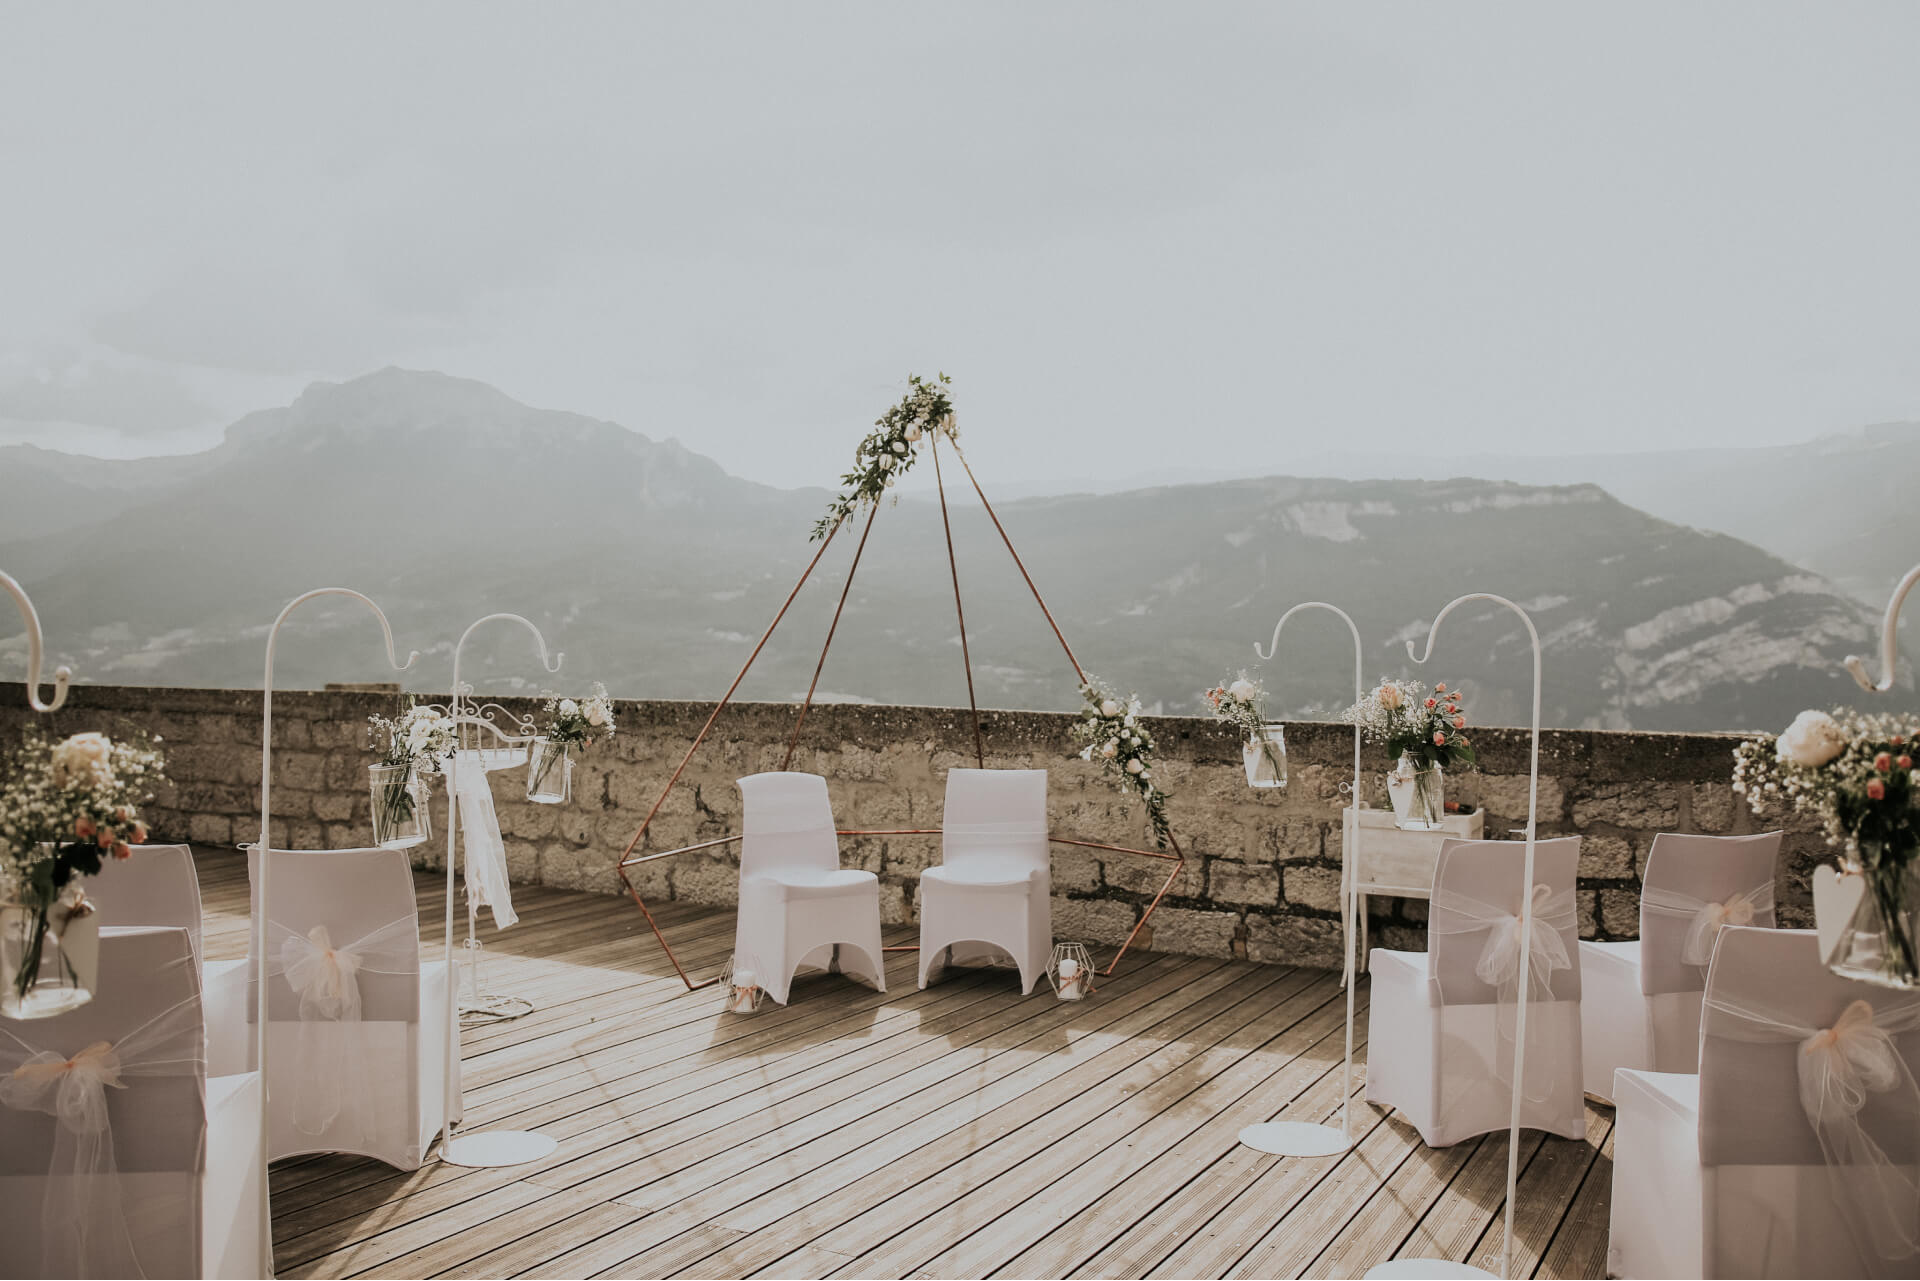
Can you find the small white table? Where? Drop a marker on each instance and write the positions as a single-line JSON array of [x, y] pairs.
[[1379, 858]]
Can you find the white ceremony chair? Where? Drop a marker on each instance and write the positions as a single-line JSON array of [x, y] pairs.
[[993, 885], [357, 1022], [798, 906], [1441, 1023], [1792, 1152], [1640, 1000], [158, 885], [118, 1156]]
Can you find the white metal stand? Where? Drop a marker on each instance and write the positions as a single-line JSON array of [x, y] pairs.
[[1305, 1138], [62, 676], [1441, 1267], [492, 1147], [1889, 645]]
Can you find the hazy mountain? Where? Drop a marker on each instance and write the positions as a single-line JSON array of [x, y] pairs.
[[656, 572]]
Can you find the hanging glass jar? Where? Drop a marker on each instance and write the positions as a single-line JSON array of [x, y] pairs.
[[1266, 756], [400, 816], [49, 957], [1877, 943], [549, 772], [1418, 794]]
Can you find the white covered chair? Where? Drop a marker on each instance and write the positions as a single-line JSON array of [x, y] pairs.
[[158, 885], [118, 1156], [798, 906], [1792, 1152], [357, 1022], [993, 885], [1441, 1023], [1640, 1000]]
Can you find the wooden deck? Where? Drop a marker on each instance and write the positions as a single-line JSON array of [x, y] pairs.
[[958, 1132]]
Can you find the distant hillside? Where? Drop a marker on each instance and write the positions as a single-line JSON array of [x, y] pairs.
[[656, 571]]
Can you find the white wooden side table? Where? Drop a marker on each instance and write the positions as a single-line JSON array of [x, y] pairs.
[[1379, 858]]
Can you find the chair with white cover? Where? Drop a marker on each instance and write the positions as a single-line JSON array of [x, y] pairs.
[[993, 885], [357, 1022], [798, 906], [1792, 1153], [118, 1156], [159, 885], [1640, 1000], [1442, 1023]]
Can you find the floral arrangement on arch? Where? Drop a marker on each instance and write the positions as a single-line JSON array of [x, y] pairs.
[[1112, 736], [576, 722], [1855, 772], [1428, 729], [1242, 704], [65, 809], [889, 450]]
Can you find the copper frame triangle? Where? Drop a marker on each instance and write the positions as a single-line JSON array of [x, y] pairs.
[[629, 859]]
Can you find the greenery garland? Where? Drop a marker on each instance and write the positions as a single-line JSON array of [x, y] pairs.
[[1115, 737], [890, 448]]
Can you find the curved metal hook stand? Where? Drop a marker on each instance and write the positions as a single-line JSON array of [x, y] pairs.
[[259, 922], [1526, 917], [1316, 1144], [1889, 646], [497, 1147], [62, 676]]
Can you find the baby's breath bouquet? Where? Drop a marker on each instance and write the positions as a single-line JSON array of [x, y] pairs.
[[1114, 737], [414, 746], [1855, 772], [566, 723], [65, 809], [1425, 734], [889, 450]]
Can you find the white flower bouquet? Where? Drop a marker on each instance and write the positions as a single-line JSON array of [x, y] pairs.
[[567, 723], [889, 450], [418, 744], [1425, 734], [1115, 738], [1242, 704]]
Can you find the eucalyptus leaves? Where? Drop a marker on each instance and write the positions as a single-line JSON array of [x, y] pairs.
[[890, 448], [1117, 740]]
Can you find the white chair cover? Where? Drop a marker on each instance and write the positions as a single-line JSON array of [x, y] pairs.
[[798, 906], [357, 1022], [158, 885], [486, 854], [117, 1157], [1640, 1006], [1442, 1022], [993, 886], [1793, 1152]]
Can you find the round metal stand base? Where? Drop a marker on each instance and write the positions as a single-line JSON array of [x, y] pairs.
[[497, 1147], [1421, 1269], [1295, 1138], [493, 1009]]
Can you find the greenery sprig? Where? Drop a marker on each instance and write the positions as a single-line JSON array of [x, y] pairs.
[[889, 450], [1115, 738]]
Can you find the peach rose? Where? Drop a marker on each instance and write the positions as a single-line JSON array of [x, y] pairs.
[[1389, 696], [1883, 762], [120, 850], [1876, 790], [1904, 762], [1440, 688], [83, 828], [139, 834], [1439, 739], [1459, 722]]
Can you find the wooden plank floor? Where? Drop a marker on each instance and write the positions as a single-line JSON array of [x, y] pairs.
[[958, 1132]]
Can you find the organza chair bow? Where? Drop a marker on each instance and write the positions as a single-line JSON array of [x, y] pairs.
[[1706, 918], [326, 979], [1844, 1069], [1499, 966], [83, 1223]]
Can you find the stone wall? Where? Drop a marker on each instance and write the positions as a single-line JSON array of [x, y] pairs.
[[1262, 873]]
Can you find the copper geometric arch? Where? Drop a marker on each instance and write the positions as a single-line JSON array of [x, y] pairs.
[[629, 859]]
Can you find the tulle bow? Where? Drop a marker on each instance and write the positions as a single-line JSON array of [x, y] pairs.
[[1499, 964], [327, 978], [73, 1091], [1841, 1065], [1706, 917]]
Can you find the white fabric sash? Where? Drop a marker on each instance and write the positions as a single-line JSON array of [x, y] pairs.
[[327, 981], [1841, 1070], [1707, 919], [1499, 964], [83, 1224], [487, 882]]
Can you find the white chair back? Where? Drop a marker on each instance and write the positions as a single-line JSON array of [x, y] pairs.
[[787, 825], [1696, 885], [1473, 918], [364, 901], [995, 817], [157, 885]]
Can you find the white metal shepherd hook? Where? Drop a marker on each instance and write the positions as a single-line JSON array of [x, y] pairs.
[[62, 676], [1426, 1267], [259, 922], [491, 1147], [1307, 1138], [1889, 646]]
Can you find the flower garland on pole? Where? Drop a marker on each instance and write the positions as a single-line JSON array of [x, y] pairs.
[[1114, 736], [889, 450]]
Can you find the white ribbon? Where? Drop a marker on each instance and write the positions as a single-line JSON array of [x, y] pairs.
[[1498, 965], [1706, 918], [327, 981], [1842, 1069], [82, 1221], [488, 884]]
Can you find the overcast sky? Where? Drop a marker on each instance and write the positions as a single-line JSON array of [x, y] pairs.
[[1140, 237]]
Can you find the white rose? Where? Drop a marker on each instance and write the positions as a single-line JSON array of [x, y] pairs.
[[1110, 750], [1242, 690], [1812, 740], [1109, 708], [1134, 766], [899, 447], [85, 760], [569, 708], [597, 714], [913, 432]]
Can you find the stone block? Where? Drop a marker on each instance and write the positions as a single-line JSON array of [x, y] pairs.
[[1651, 806], [1505, 795], [1314, 887], [527, 821], [1092, 920], [1713, 807], [896, 905], [698, 879], [1620, 914], [1293, 940], [1607, 858], [1229, 881], [1139, 874], [1075, 870], [209, 829], [1194, 933], [332, 807], [1298, 840]]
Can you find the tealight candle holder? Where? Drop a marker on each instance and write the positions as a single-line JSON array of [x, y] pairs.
[[1070, 971], [741, 985]]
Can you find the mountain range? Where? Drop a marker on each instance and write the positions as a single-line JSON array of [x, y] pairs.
[[656, 572]]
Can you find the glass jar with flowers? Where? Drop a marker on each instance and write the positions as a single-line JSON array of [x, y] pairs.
[[1263, 743], [417, 745], [1855, 773], [569, 723], [66, 810], [1425, 734]]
